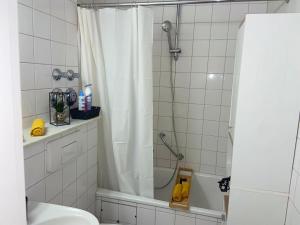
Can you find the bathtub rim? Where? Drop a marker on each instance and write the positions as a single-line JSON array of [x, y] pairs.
[[105, 193]]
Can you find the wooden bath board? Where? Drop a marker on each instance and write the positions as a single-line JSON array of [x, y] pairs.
[[185, 174]]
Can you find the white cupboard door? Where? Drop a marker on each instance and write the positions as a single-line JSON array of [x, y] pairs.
[[145, 216], [164, 218], [109, 212], [184, 220], [127, 214]]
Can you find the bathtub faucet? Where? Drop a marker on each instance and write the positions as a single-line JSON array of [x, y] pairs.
[[162, 137]]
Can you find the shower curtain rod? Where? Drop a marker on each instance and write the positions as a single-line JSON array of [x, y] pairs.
[[162, 3]]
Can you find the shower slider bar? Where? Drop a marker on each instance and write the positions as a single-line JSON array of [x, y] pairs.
[[162, 3], [162, 137]]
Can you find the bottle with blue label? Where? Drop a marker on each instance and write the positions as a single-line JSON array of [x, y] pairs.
[[81, 101], [88, 97]]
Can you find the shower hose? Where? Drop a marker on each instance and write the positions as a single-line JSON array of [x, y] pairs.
[[172, 83]]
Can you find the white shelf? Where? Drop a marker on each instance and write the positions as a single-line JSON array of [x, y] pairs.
[[52, 130]]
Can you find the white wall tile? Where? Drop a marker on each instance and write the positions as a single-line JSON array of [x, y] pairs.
[[255, 8], [187, 14], [72, 34], [184, 220], [25, 19], [216, 64], [53, 185], [197, 96], [58, 8], [217, 47], [28, 103], [42, 51], [219, 30], [41, 24], [220, 12], [214, 81], [82, 164], [92, 176], [195, 126], [212, 112], [26, 48], [69, 174], [58, 28], [69, 195], [210, 128], [71, 12], [37, 192], [26, 2], [213, 97], [27, 76], [203, 13], [195, 111], [34, 169], [199, 64], [43, 77], [163, 218], [42, 5], [208, 158], [201, 48], [42, 101], [186, 31], [58, 53], [202, 31], [194, 141], [210, 143], [238, 11]]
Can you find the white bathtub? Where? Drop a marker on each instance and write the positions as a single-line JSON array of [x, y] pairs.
[[204, 191], [206, 204]]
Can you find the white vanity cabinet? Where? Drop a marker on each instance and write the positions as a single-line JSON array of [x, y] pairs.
[[61, 168], [124, 213]]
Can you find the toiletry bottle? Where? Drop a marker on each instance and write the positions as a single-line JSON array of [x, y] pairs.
[[81, 101], [88, 97]]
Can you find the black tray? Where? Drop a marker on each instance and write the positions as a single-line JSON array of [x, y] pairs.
[[85, 115]]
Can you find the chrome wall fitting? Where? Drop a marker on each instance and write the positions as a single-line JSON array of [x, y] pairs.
[[57, 74]]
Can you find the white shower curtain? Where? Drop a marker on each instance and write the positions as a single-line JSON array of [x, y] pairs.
[[116, 57]]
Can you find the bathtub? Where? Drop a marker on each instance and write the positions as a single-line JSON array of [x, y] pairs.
[[204, 190], [206, 205]]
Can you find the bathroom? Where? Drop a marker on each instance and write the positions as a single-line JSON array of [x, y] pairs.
[[150, 112]]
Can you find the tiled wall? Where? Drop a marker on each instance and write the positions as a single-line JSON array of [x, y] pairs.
[[202, 83], [48, 39], [293, 6], [75, 183]]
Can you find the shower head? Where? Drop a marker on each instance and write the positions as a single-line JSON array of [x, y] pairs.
[[166, 26]]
